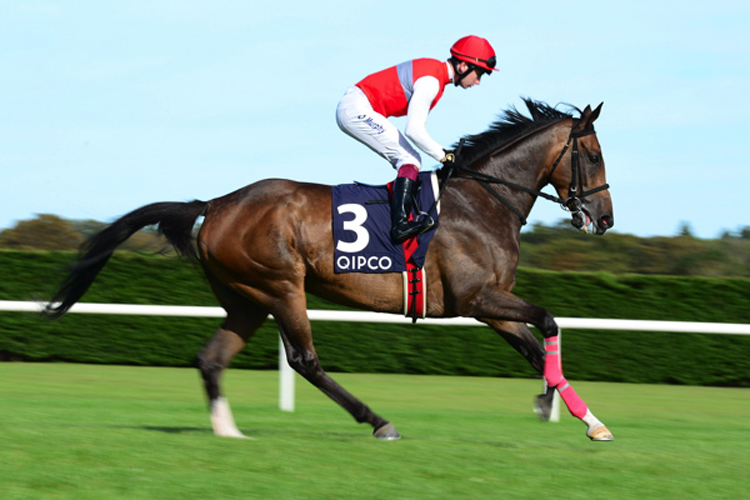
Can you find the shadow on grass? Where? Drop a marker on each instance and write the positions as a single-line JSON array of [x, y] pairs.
[[167, 430], [329, 435]]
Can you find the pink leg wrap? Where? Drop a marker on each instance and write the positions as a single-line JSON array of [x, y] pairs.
[[573, 401], [409, 171], [552, 361], [554, 376]]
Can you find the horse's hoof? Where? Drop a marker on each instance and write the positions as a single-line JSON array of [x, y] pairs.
[[600, 433], [543, 407], [236, 434], [387, 433]]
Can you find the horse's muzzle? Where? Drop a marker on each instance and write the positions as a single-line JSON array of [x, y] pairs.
[[603, 223], [581, 220]]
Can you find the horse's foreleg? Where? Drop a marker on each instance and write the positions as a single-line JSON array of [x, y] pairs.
[[554, 377], [226, 342], [509, 307], [297, 337], [523, 340]]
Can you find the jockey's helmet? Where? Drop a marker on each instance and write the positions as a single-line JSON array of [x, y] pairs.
[[476, 51]]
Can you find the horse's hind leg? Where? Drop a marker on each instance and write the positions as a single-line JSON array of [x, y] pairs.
[[243, 319], [297, 337], [211, 361]]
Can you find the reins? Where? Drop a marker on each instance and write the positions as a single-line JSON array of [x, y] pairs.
[[575, 191]]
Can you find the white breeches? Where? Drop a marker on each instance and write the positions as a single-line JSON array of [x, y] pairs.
[[356, 118]]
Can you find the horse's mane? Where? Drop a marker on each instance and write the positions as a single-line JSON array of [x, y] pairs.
[[510, 126]]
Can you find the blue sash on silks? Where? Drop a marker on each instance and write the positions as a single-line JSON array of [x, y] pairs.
[[362, 226]]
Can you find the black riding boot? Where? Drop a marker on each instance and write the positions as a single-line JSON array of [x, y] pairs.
[[402, 228]]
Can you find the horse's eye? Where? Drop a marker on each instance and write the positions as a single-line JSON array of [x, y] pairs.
[[594, 158]]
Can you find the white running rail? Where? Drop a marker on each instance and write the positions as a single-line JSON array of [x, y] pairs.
[[286, 374]]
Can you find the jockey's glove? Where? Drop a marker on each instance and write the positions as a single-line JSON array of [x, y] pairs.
[[450, 157]]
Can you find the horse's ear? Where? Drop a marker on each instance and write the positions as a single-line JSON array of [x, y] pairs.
[[586, 122], [595, 113]]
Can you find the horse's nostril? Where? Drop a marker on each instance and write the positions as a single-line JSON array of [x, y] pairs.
[[607, 221]]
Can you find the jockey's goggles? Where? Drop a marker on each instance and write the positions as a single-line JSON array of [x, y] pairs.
[[490, 62]]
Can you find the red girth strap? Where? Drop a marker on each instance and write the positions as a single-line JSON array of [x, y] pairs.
[[415, 284]]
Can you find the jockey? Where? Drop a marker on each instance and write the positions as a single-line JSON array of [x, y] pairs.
[[411, 88]]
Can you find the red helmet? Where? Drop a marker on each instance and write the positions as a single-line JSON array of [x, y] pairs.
[[475, 50]]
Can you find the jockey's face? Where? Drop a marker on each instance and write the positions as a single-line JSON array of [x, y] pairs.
[[473, 78]]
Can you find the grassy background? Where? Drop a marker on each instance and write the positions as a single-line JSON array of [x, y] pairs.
[[99, 432]]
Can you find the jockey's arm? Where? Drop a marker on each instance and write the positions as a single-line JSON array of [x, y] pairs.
[[425, 91]]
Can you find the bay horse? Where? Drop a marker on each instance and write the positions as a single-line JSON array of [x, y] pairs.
[[264, 246]]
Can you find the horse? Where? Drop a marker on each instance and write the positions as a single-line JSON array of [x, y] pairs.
[[266, 245]]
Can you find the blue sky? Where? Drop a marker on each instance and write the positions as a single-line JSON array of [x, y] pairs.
[[108, 106]]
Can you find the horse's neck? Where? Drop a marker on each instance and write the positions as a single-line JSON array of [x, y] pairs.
[[527, 163]]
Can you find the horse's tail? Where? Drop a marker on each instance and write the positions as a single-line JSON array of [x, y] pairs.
[[176, 221]]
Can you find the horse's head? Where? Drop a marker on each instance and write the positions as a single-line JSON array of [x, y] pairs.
[[579, 177]]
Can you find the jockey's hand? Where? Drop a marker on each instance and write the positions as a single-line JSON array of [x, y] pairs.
[[450, 157]]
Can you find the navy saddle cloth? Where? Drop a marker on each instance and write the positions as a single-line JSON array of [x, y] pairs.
[[362, 225]]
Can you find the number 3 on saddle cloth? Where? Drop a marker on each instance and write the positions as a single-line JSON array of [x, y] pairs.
[[362, 242]]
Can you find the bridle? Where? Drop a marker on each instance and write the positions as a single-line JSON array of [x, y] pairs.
[[576, 194], [574, 203]]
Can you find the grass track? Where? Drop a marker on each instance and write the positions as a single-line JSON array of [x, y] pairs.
[[100, 432]]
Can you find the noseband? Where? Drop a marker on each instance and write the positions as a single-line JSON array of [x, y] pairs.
[[573, 203]]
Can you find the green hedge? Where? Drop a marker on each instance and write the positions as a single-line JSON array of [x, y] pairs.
[[637, 357]]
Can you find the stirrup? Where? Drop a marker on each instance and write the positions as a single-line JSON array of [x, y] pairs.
[[412, 228]]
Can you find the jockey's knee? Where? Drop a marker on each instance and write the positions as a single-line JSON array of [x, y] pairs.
[[409, 171]]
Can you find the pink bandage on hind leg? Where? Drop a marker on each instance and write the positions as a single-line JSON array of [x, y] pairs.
[[552, 362], [573, 401], [409, 171]]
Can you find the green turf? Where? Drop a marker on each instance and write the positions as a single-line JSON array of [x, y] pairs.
[[100, 432]]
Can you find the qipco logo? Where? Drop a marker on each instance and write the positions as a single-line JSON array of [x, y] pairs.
[[362, 239]]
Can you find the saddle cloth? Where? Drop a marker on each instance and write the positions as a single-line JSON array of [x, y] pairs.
[[361, 233], [362, 225]]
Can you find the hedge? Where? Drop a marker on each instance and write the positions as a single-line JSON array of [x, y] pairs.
[[634, 357]]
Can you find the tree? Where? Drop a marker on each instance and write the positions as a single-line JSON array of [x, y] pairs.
[[685, 230], [46, 232]]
